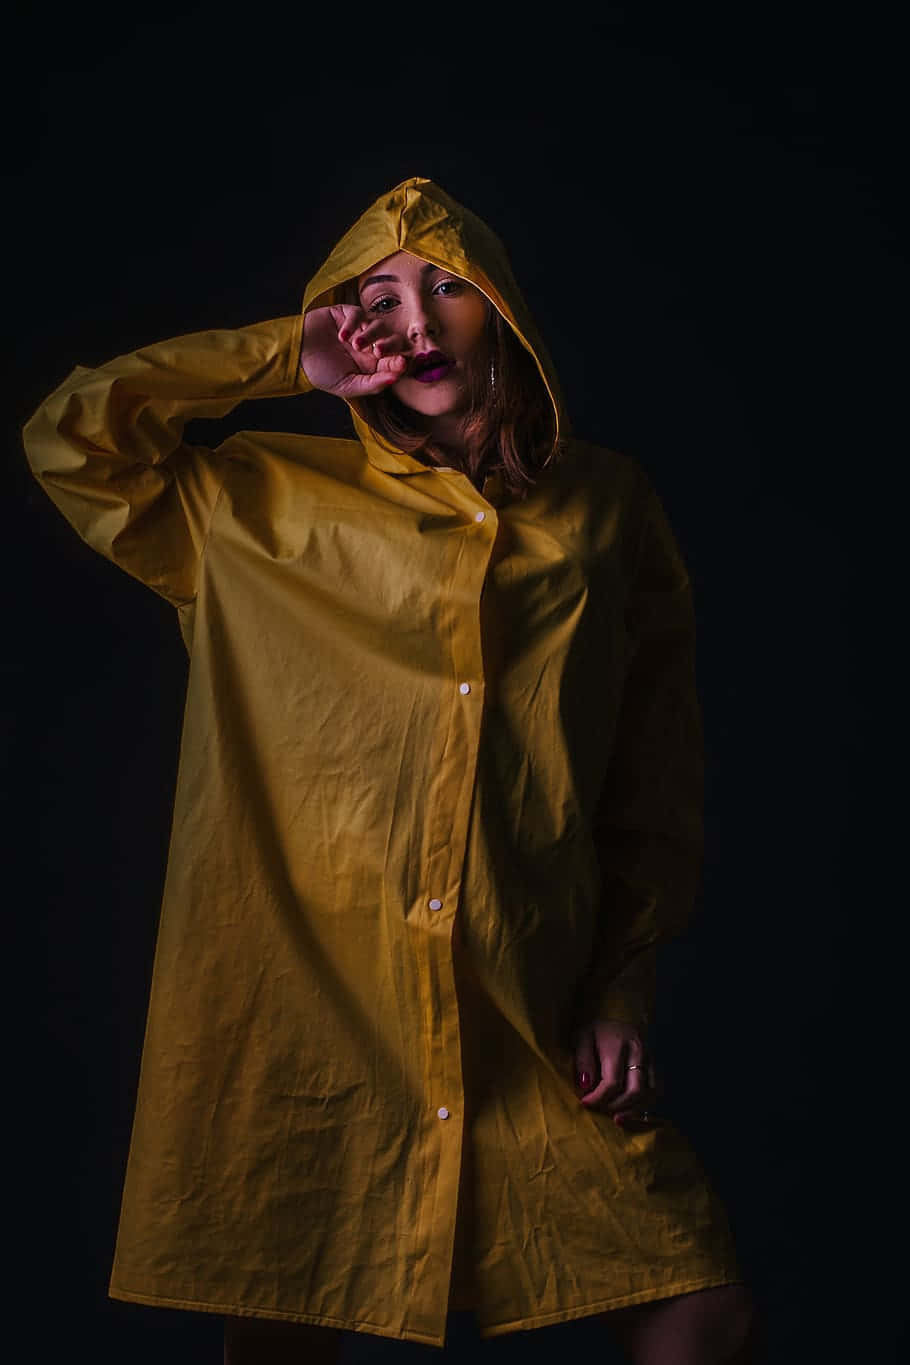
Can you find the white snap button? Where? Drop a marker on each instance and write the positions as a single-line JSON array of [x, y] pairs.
[[480, 516], [464, 689], [442, 1113], [435, 904]]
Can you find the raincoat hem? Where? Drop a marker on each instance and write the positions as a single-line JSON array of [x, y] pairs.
[[643, 1296], [484, 1330], [244, 1311]]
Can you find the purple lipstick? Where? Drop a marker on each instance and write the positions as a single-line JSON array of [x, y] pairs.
[[431, 366]]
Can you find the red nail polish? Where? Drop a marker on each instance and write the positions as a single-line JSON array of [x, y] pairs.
[[584, 1080]]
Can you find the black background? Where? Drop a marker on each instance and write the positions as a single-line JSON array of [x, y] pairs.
[[704, 213]]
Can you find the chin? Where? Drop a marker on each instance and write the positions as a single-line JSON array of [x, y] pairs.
[[436, 402]]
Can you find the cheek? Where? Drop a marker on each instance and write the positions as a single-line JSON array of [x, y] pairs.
[[473, 321]]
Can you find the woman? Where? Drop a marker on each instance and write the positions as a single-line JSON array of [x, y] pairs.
[[438, 801]]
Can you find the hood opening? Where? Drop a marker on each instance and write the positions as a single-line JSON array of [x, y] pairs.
[[526, 409]]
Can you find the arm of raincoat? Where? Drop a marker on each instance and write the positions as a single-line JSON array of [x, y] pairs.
[[648, 827], [107, 444]]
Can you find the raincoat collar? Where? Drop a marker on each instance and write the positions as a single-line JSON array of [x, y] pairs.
[[418, 216]]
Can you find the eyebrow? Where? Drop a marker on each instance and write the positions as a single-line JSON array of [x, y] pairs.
[[393, 279]]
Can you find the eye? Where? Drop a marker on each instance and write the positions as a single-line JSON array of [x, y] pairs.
[[378, 305], [450, 287]]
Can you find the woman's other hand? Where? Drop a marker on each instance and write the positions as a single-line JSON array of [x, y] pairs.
[[614, 1071], [348, 353]]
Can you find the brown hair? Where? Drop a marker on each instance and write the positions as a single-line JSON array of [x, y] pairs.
[[512, 425]]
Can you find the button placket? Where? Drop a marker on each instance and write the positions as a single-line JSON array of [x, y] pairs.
[[448, 819], [447, 825]]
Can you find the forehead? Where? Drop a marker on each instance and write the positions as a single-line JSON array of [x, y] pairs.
[[402, 263]]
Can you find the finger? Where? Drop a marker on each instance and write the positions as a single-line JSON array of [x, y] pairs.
[[353, 318], [586, 1065], [368, 332], [615, 1052], [642, 1113], [611, 1082], [636, 1101], [385, 345], [362, 385], [391, 365], [639, 1072], [635, 1096], [626, 1094], [632, 1087], [371, 327], [393, 362]]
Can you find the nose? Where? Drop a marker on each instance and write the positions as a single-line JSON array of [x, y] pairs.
[[421, 324]]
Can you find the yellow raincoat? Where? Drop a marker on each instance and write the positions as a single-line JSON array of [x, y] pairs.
[[438, 796]]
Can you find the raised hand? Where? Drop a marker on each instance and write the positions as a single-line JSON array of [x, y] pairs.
[[347, 352]]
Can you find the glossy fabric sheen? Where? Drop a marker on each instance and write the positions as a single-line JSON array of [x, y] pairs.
[[389, 894]]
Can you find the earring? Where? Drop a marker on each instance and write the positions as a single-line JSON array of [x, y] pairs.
[[492, 377]]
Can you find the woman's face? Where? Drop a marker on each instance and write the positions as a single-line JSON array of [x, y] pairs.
[[438, 319]]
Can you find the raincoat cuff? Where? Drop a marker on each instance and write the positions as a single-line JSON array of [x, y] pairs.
[[629, 995], [296, 378]]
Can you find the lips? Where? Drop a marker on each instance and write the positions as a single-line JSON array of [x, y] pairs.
[[430, 366]]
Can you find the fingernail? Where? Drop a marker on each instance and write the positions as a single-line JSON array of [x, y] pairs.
[[584, 1080], [619, 1118]]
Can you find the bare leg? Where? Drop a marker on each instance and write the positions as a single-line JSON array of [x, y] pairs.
[[710, 1327], [270, 1341]]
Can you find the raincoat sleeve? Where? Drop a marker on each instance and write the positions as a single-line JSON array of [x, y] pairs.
[[107, 444], [648, 826]]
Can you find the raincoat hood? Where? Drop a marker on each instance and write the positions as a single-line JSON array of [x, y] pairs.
[[418, 216]]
